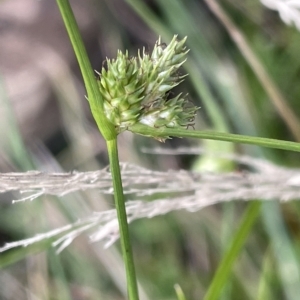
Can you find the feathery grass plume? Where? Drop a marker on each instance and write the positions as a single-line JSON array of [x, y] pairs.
[[136, 89], [180, 190]]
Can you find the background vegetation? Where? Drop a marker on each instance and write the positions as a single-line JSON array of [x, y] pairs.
[[243, 72]]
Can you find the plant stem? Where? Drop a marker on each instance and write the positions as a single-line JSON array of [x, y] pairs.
[[112, 147], [110, 135], [225, 266], [95, 99], [220, 136]]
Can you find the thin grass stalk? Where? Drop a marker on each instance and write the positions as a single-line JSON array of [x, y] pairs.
[[112, 147], [211, 135], [222, 274]]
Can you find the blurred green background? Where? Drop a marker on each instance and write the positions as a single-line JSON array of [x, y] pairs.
[[243, 67]]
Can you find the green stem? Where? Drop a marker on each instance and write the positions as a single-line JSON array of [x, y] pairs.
[[225, 267], [95, 99], [109, 133], [123, 225], [220, 136]]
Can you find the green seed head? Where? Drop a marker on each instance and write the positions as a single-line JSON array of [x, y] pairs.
[[136, 89]]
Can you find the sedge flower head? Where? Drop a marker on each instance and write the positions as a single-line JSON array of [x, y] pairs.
[[137, 89]]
